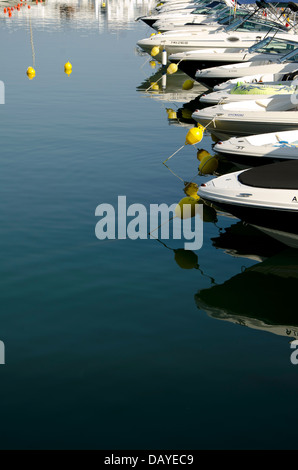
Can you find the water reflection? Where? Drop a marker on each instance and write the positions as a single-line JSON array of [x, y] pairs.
[[252, 297], [170, 87], [113, 15]]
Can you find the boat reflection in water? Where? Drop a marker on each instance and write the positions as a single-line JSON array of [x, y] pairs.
[[252, 298], [170, 87]]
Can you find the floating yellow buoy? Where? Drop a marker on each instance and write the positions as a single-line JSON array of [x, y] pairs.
[[186, 259], [191, 190], [186, 208], [194, 135], [202, 153], [188, 85], [67, 67], [152, 64], [152, 34], [155, 51], [30, 73], [172, 68], [208, 165]]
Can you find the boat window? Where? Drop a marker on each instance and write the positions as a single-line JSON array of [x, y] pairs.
[[232, 18], [251, 25], [256, 26], [291, 57], [273, 46], [206, 10]]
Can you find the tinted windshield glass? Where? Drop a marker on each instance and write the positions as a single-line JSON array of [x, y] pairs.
[[207, 9], [232, 18], [273, 46], [291, 57], [259, 25]]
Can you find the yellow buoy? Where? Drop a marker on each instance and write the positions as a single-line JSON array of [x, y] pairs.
[[208, 165], [152, 34], [172, 68], [186, 208], [186, 259], [201, 153], [30, 73], [154, 86], [67, 66], [188, 85], [155, 51], [191, 189], [194, 135], [152, 64]]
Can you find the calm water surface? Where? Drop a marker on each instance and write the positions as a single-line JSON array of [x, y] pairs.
[[115, 344]]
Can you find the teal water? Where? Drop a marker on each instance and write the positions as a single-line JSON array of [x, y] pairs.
[[113, 344]]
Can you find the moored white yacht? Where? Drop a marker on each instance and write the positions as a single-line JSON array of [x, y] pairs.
[[185, 12], [279, 113], [253, 91], [265, 197], [282, 67], [268, 50], [241, 35], [261, 147]]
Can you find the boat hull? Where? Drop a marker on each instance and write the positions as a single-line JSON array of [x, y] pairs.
[[238, 124]]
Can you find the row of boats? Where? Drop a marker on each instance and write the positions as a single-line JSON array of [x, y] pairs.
[[247, 58]]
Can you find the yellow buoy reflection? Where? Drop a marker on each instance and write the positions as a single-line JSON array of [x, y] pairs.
[[191, 189], [202, 153], [171, 114], [187, 208], [188, 85], [186, 259], [154, 86], [208, 165]]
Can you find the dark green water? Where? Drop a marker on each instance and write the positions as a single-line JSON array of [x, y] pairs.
[[113, 345]]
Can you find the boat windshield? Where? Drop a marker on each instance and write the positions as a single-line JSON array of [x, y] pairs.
[[215, 6], [290, 57], [232, 18], [271, 45], [255, 25]]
